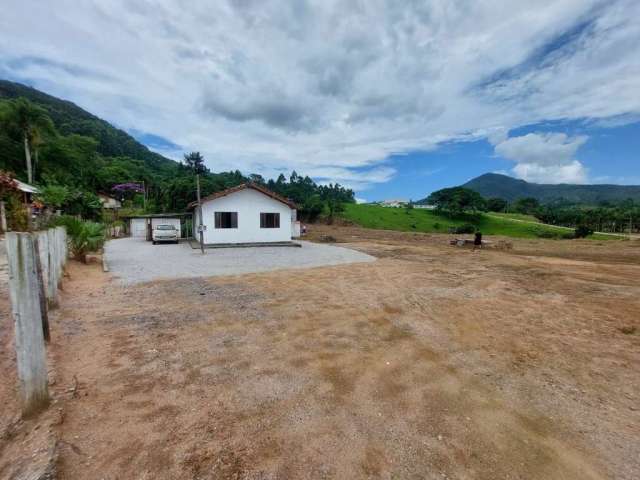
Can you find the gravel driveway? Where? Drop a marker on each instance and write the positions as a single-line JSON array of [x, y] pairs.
[[133, 260]]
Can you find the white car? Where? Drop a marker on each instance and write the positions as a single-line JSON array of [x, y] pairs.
[[165, 233]]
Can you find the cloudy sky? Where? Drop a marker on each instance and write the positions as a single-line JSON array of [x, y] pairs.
[[393, 98]]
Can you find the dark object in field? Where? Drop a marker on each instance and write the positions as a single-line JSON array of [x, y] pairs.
[[327, 239], [628, 329], [465, 228], [478, 239]]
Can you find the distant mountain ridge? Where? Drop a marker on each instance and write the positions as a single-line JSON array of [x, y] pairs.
[[510, 189]]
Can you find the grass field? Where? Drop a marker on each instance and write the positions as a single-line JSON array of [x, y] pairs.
[[516, 216], [420, 220]]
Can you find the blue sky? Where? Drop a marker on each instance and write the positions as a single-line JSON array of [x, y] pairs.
[[394, 99], [610, 155]]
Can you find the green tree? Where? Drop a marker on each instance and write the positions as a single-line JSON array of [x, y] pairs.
[[527, 205], [195, 161], [54, 195], [457, 200], [31, 123], [497, 204], [335, 206]]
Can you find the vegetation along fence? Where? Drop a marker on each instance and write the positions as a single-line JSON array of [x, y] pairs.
[[36, 264]]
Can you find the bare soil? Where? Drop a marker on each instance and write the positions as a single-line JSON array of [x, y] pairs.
[[432, 362]]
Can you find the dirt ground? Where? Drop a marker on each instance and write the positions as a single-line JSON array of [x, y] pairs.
[[433, 362]]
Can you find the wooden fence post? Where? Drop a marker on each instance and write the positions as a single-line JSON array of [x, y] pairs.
[[41, 257], [30, 349]]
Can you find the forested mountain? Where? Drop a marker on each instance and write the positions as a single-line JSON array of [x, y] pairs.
[[84, 155], [71, 119], [493, 185]]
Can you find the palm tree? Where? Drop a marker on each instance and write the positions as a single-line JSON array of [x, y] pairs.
[[195, 161], [32, 123]]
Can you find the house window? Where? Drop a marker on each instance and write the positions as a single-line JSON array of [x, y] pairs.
[[226, 219], [269, 220]]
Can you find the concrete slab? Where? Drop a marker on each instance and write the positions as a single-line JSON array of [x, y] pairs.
[[133, 260]]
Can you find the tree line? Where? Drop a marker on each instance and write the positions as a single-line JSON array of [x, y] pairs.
[[613, 217], [71, 168]]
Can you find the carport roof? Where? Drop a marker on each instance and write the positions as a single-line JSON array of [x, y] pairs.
[[158, 215], [244, 186]]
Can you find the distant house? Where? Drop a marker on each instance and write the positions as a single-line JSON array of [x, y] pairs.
[[109, 202], [393, 203], [246, 214], [28, 191]]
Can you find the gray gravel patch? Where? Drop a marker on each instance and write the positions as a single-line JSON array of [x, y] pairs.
[[133, 260]]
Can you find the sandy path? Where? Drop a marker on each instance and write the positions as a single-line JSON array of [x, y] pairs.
[[428, 363]]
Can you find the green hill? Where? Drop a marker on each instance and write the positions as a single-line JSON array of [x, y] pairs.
[[70, 119], [428, 221], [502, 186]]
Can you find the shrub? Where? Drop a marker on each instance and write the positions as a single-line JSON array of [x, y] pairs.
[[466, 228], [84, 237], [17, 214], [436, 226], [546, 234], [582, 231], [558, 235]]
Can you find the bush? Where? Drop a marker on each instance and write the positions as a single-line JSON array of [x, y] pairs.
[[465, 228], [436, 226], [546, 234], [557, 235], [84, 237], [582, 231]]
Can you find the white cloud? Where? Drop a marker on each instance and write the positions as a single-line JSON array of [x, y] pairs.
[[545, 157], [330, 86]]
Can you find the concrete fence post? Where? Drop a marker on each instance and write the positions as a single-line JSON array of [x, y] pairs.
[[62, 251], [24, 292], [3, 217], [53, 267], [65, 246]]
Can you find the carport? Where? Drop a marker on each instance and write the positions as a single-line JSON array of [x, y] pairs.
[[140, 226]]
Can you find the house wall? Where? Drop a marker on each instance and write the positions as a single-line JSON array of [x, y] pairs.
[[249, 204]]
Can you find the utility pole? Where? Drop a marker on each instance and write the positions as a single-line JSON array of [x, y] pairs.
[[200, 225]]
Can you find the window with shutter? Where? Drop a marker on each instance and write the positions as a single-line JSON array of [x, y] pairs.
[[269, 220], [226, 219]]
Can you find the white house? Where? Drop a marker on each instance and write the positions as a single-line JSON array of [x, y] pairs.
[[246, 214], [109, 202], [393, 203]]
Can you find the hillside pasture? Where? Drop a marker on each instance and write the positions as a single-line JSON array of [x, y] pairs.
[[429, 221]]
